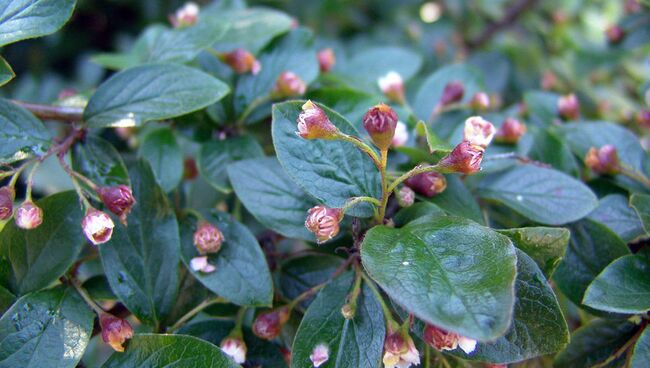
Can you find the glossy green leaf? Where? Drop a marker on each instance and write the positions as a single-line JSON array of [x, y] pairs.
[[367, 66], [622, 287], [417, 210], [641, 204], [542, 107], [548, 147], [6, 73], [297, 275], [150, 350], [23, 19], [151, 92], [467, 270], [641, 352], [434, 143], [330, 171], [215, 156], [163, 152], [268, 194], [458, 200], [242, 275], [21, 133], [352, 343], [40, 256], [540, 194], [545, 245], [141, 261], [49, 328], [99, 161], [614, 211]]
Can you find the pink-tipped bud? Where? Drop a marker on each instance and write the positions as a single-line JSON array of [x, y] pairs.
[[643, 118], [241, 61], [200, 264], [480, 101], [326, 60], [234, 348], [632, 6], [185, 16], [400, 351], [28, 216], [604, 160], [478, 131], [405, 196], [510, 131], [464, 158], [319, 355], [401, 135], [323, 222], [313, 123], [7, 195], [381, 121], [289, 84], [115, 331], [549, 80], [439, 338], [392, 86], [207, 238], [117, 199], [97, 226], [568, 107], [268, 325], [452, 93], [614, 34], [428, 184]]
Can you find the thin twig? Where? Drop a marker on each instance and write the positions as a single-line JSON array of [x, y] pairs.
[[511, 16], [49, 112]]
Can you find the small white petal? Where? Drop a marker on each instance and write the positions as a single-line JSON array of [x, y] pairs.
[[468, 345]]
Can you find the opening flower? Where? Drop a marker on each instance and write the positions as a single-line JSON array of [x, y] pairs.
[[115, 331], [6, 203], [392, 86], [28, 216], [439, 338], [313, 123], [381, 121], [401, 135], [319, 355], [400, 351], [185, 16], [97, 226], [118, 199], [207, 238], [323, 222], [200, 264], [478, 131], [234, 348], [464, 158]]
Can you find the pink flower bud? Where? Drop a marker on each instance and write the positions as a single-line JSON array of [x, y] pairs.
[[632, 6], [643, 118], [241, 61], [604, 160], [568, 107], [452, 93], [428, 184], [118, 199], [313, 123], [28, 216], [440, 339], [549, 80], [200, 264], [234, 348], [323, 222], [464, 158], [510, 131], [6, 203], [289, 84], [207, 238], [381, 121], [97, 226], [401, 135], [319, 355], [480, 101], [392, 86], [268, 325], [185, 16], [400, 351], [614, 34], [478, 131], [326, 60], [405, 196], [115, 331]]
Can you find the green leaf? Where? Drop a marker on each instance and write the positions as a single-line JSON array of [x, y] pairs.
[[457, 200], [641, 352], [215, 156], [592, 247], [545, 245], [7, 298], [417, 210], [299, 274], [366, 67], [40, 256], [151, 92], [542, 107], [268, 194], [21, 133], [6, 73], [99, 161], [622, 287], [141, 260], [49, 328], [540, 194], [330, 171], [161, 149], [434, 143], [352, 343], [147, 350], [548, 147], [242, 275], [23, 19], [467, 271], [614, 211], [641, 204]]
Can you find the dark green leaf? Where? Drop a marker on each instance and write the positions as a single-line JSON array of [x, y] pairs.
[[414, 212], [21, 133], [545, 245], [542, 107], [215, 156], [467, 271], [161, 149], [299, 274], [458, 200], [99, 161], [6, 73], [6, 299], [641, 204], [615, 212], [641, 353], [435, 144], [48, 328], [549, 148], [151, 92], [366, 67], [23, 19]]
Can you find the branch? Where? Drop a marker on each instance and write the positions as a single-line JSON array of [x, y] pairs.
[[48, 112], [513, 13]]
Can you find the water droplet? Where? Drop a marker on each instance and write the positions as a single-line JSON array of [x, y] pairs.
[[519, 197], [406, 263]]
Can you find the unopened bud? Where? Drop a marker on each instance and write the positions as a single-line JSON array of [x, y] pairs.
[[480, 101], [401, 135], [234, 348], [392, 86], [405, 196], [289, 84], [452, 93], [200, 264], [207, 238], [428, 184], [604, 160], [478, 131], [97, 226], [190, 170], [185, 16], [28, 216], [323, 222], [241, 61], [6, 202], [117, 199], [464, 158], [313, 123], [510, 131], [632, 6], [439, 338], [549, 80], [319, 355], [115, 331], [400, 351], [268, 325], [381, 121], [348, 311], [568, 107], [326, 60], [614, 34], [643, 118]]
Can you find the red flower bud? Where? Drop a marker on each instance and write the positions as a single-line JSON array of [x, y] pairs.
[[452, 93], [118, 199], [569, 107], [464, 158], [440, 339], [313, 123], [603, 160], [289, 84], [392, 86], [97, 226], [241, 61], [29, 216], [380, 121], [643, 118], [6, 203], [207, 238], [115, 331], [326, 60], [480, 101], [234, 348], [478, 131], [406, 196], [428, 184], [323, 222], [614, 34], [510, 131], [268, 325], [549, 80], [185, 16]]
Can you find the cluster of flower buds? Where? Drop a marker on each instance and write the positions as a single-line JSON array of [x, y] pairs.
[[117, 199], [207, 240], [399, 350], [288, 84], [185, 16], [428, 184], [480, 101], [241, 61], [28, 215], [441, 340], [466, 157], [326, 60], [313, 123], [115, 331], [392, 86], [603, 160], [568, 107], [97, 226], [614, 34], [319, 355], [323, 222], [7, 196], [510, 131], [380, 122], [235, 348], [268, 325], [401, 135]]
